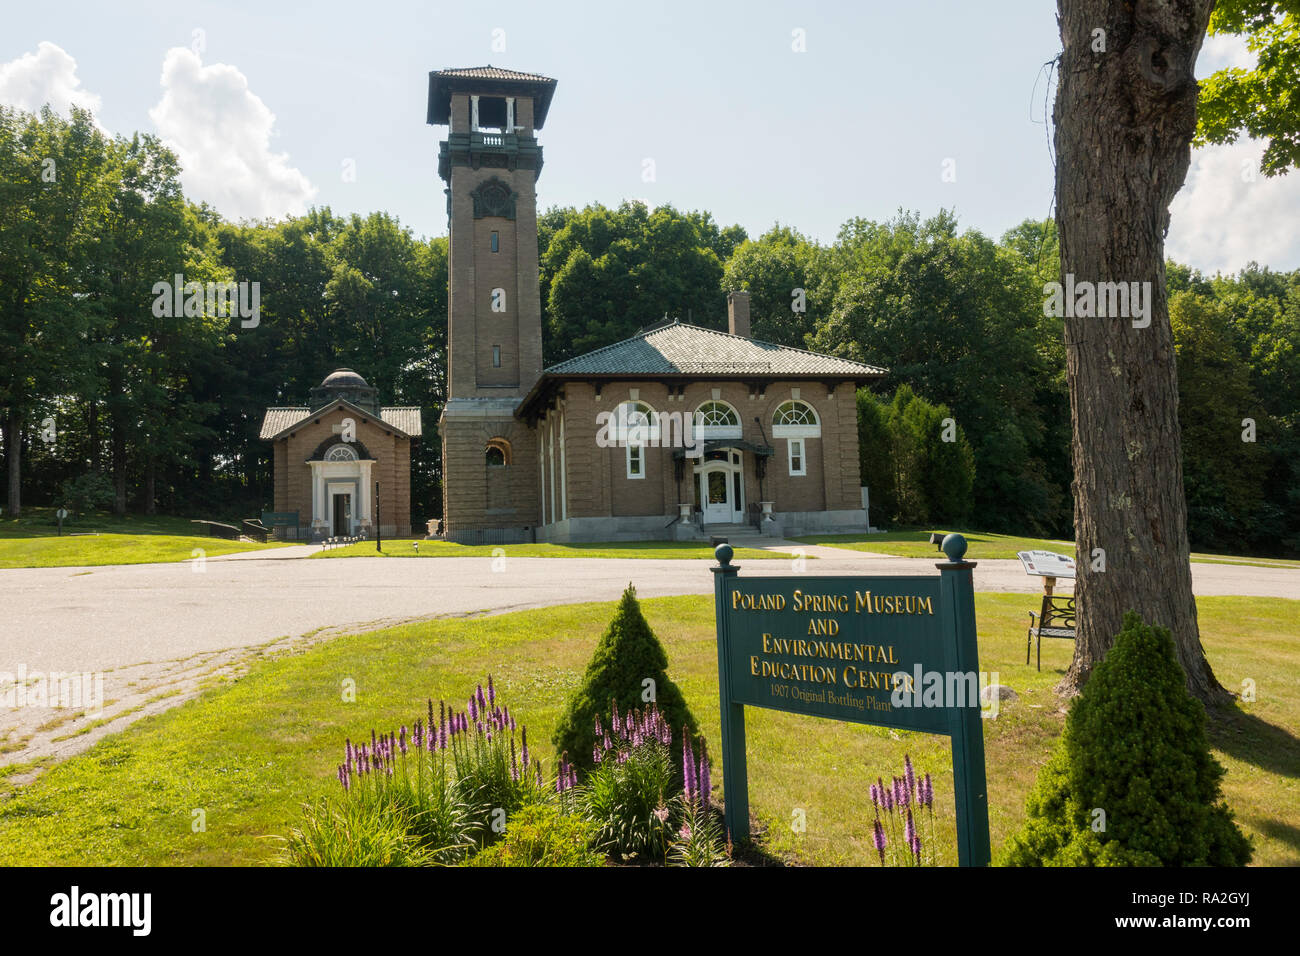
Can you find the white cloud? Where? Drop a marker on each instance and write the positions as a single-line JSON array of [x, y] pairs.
[[1221, 51], [1229, 213], [47, 76], [221, 131]]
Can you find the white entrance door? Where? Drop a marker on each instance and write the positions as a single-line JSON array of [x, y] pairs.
[[715, 494], [721, 491]]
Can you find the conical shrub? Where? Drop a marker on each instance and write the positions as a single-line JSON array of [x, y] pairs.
[[1132, 782], [627, 654]]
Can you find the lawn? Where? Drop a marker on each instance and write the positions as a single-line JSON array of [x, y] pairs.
[[33, 541], [405, 548], [916, 544], [248, 753]]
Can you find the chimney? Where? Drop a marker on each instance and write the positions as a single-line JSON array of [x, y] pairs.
[[738, 313]]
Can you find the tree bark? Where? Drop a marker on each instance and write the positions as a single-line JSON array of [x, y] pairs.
[[117, 451], [1125, 115], [14, 461]]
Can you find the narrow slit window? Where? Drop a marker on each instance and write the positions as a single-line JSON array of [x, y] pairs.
[[496, 356], [496, 241]]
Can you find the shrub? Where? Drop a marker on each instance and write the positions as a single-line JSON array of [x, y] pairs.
[[628, 653], [540, 835], [354, 833], [1134, 747], [87, 493]]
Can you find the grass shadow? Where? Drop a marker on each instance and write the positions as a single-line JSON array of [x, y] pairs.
[[1252, 740]]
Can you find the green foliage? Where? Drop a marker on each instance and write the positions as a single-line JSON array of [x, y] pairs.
[[915, 475], [698, 840], [87, 493], [627, 655], [1134, 747], [773, 269], [606, 273], [1259, 102], [957, 318], [352, 833], [540, 835], [627, 801]]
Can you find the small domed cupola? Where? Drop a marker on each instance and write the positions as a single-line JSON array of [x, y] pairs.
[[346, 384]]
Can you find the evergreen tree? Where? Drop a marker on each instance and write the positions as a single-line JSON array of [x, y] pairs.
[[1135, 749], [627, 655]]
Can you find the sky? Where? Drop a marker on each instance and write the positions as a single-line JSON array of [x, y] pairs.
[[802, 113]]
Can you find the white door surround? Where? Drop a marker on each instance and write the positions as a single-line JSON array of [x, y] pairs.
[[331, 478]]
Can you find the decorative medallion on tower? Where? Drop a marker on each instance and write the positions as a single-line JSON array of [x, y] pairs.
[[494, 197]]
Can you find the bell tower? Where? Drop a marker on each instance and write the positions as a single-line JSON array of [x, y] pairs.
[[490, 161]]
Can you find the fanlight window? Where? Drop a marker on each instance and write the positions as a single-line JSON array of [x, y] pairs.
[[717, 415], [341, 453], [794, 413], [795, 419]]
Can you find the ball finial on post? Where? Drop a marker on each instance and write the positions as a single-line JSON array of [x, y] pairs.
[[954, 545], [724, 553]]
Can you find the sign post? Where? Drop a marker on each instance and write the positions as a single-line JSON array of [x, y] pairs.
[[379, 528], [61, 514], [891, 651]]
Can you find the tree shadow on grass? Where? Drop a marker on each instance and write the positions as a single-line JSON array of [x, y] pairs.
[[1277, 830], [1247, 738]]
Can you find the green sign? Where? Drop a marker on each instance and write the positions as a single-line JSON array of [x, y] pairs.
[[892, 651], [280, 519]]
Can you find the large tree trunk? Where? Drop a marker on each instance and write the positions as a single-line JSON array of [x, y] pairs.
[[14, 460], [1124, 122]]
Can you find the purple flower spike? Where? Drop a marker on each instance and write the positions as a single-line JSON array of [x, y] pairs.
[[909, 775], [880, 841], [909, 832], [478, 695], [401, 741], [688, 764], [706, 784], [492, 693], [929, 792]]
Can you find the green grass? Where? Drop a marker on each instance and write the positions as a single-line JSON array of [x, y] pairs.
[[33, 552], [251, 751], [404, 548], [32, 541], [916, 544]]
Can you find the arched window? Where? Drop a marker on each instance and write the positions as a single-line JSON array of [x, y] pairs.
[[496, 458], [717, 419], [341, 452], [795, 419]]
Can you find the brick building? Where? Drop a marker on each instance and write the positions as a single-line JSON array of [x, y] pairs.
[[331, 455], [710, 429]]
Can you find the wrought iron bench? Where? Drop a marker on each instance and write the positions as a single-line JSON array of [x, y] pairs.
[[1054, 619]]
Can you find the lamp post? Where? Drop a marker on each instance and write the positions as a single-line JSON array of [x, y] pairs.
[[379, 528]]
